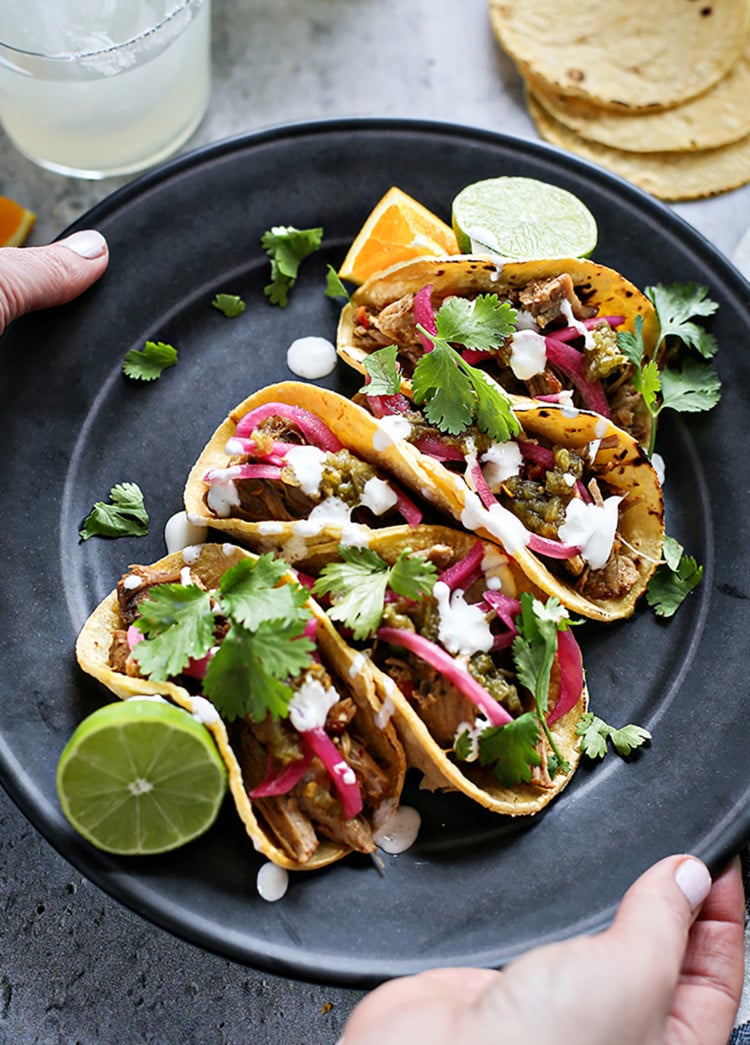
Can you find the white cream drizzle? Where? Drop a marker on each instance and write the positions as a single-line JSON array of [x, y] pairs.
[[463, 628], [567, 310], [390, 430], [204, 711], [357, 664], [222, 497], [501, 461], [310, 704], [528, 354], [592, 527], [179, 532], [307, 464], [497, 520], [385, 714], [378, 495]]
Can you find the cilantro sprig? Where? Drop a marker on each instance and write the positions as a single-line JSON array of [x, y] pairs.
[[263, 647], [383, 371], [287, 247], [595, 733], [230, 305], [334, 287], [358, 584], [148, 363], [124, 516], [692, 387], [512, 749], [452, 392], [673, 580], [676, 305]]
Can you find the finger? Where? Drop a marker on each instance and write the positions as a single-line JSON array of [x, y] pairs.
[[710, 987], [548, 991], [38, 277]]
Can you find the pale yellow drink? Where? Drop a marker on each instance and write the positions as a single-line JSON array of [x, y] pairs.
[[103, 87]]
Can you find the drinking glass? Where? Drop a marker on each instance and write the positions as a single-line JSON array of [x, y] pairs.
[[95, 88]]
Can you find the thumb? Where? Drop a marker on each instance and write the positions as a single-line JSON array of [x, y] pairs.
[[667, 898], [38, 277]]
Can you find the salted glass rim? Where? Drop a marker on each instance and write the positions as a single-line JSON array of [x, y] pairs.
[[67, 57]]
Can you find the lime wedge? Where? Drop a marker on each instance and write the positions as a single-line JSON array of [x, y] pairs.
[[522, 219], [140, 777]]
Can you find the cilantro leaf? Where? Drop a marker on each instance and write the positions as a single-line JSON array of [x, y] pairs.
[[451, 391], [246, 675], [694, 388], [178, 624], [445, 393], [628, 738], [334, 287], [412, 576], [250, 593], [675, 306], [358, 585], [126, 516], [384, 372], [287, 246], [230, 304], [482, 323], [149, 363], [595, 733], [673, 580], [534, 650], [463, 746], [263, 647], [512, 749]]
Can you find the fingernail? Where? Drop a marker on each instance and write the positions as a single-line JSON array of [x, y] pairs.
[[694, 881], [87, 244]]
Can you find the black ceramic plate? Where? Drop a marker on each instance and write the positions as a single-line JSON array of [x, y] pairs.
[[476, 889]]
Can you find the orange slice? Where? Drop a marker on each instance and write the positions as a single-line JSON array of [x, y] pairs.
[[398, 229], [15, 223]]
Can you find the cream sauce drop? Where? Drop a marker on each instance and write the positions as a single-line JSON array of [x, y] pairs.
[[399, 832], [311, 357], [272, 882]]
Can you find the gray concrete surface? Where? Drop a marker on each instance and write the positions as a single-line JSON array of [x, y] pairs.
[[74, 965]]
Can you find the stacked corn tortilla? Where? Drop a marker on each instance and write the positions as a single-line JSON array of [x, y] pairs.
[[657, 93]]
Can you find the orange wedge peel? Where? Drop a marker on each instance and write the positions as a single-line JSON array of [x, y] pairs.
[[16, 222], [398, 229]]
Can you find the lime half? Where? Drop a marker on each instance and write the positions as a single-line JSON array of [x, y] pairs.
[[522, 219], [140, 777]]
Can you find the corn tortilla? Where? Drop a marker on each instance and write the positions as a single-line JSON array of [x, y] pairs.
[[626, 54], [669, 176], [719, 116]]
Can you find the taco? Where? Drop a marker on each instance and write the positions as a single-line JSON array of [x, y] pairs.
[[568, 313], [313, 768], [440, 615], [295, 466], [620, 519], [574, 499]]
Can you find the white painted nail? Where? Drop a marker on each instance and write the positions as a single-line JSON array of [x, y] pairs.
[[694, 881], [87, 244]]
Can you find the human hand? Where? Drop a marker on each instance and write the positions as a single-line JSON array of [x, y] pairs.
[[38, 277], [668, 970]]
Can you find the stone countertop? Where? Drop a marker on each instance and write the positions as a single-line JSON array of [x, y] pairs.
[[74, 964]]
